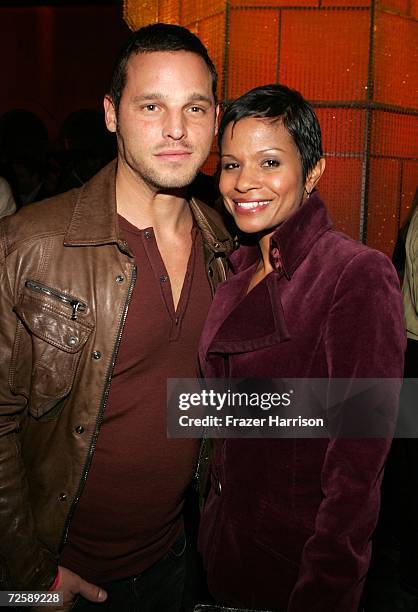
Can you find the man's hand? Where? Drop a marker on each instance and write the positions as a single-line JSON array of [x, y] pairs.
[[72, 584]]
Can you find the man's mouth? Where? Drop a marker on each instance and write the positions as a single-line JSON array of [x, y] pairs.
[[174, 154]]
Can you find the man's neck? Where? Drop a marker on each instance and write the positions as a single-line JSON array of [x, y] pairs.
[[144, 207]]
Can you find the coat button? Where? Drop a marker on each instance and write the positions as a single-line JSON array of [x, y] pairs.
[[62, 497], [79, 429], [217, 245], [96, 354], [72, 341], [120, 278], [218, 487]]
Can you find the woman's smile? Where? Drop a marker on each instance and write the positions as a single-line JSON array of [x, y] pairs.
[[249, 207]]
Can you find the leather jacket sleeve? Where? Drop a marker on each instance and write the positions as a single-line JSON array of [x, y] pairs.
[[24, 562]]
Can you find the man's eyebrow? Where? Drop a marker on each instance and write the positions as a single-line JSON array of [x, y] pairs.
[[149, 96], [197, 97], [194, 97]]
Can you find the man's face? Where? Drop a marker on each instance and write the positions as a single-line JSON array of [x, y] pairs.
[[166, 118]]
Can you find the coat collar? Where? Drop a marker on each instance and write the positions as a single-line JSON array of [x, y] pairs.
[[240, 322], [94, 220], [292, 240]]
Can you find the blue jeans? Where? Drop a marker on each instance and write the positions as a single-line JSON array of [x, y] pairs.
[[158, 589]]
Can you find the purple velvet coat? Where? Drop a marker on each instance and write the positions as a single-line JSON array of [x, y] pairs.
[[291, 527]]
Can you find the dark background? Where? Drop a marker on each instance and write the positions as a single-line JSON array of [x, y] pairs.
[[56, 57]]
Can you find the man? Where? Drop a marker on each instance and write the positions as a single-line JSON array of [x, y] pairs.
[[104, 291]]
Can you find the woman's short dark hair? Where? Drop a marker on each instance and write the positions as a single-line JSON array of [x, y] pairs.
[[157, 37], [278, 102]]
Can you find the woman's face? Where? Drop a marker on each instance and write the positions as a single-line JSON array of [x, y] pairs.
[[261, 179]]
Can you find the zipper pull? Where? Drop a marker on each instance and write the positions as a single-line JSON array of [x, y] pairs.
[[75, 304]]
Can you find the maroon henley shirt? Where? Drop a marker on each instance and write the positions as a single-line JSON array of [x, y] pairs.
[[130, 511]]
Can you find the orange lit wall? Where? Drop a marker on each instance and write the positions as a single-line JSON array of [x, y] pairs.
[[355, 60]]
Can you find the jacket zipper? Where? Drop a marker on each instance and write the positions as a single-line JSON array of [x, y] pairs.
[[76, 305], [101, 409]]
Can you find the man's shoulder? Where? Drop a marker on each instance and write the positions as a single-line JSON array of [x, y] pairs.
[[41, 219], [81, 207]]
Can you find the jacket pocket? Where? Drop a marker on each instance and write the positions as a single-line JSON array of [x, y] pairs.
[[52, 339]]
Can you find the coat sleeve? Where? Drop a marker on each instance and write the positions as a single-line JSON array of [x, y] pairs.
[[24, 562], [365, 338]]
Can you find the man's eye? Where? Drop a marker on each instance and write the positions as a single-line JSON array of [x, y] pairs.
[[271, 163], [150, 107], [196, 109]]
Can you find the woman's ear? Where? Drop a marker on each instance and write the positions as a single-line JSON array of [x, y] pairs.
[[314, 175]]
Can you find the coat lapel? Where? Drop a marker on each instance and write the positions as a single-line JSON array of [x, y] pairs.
[[241, 323]]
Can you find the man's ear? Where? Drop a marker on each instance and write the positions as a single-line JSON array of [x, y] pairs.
[[314, 175], [110, 114], [217, 114]]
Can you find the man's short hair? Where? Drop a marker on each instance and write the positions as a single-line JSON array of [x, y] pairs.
[[152, 38], [280, 103]]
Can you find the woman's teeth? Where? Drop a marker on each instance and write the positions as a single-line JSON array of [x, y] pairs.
[[251, 204]]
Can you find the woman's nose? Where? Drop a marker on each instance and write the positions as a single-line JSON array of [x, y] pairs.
[[247, 179]]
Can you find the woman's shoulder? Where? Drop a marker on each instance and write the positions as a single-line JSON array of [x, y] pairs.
[[339, 248]]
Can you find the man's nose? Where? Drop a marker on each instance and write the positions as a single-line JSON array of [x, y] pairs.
[[175, 126]]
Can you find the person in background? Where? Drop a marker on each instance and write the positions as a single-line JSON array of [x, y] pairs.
[[104, 291], [392, 584], [7, 202], [399, 252], [408, 519], [288, 522], [410, 292]]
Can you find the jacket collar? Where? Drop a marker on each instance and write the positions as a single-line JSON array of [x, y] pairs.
[[94, 220], [227, 328], [212, 229], [241, 322], [292, 240]]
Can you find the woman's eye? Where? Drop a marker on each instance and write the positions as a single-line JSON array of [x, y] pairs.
[[229, 165], [271, 163]]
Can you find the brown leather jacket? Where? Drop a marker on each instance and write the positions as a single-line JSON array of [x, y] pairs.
[[66, 280]]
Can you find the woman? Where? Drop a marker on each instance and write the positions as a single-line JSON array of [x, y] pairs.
[[287, 523]]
